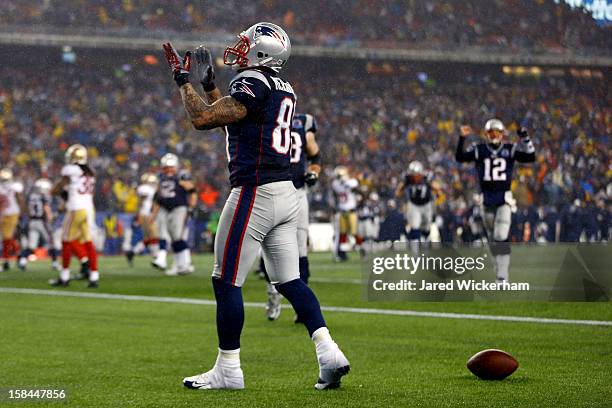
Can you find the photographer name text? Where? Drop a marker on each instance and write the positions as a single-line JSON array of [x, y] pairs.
[[460, 285]]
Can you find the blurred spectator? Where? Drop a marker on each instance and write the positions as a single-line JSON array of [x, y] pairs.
[[511, 25]]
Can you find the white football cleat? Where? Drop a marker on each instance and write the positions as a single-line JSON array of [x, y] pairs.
[[172, 271], [273, 306], [217, 378], [186, 270], [333, 365]]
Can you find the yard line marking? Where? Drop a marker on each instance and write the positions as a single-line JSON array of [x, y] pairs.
[[340, 309]]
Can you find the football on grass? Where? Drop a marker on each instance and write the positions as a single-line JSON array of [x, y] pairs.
[[492, 364]]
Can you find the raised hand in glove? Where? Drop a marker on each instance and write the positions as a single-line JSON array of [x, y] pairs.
[[311, 178], [179, 66], [204, 69]]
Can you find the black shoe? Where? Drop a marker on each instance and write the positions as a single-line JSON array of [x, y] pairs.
[[59, 282], [6, 266], [84, 274], [92, 284], [129, 255]]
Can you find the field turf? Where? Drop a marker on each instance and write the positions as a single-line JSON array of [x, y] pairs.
[[134, 353]]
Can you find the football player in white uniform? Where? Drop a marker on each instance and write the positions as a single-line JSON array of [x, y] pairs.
[[11, 203], [344, 187], [146, 194], [79, 181]]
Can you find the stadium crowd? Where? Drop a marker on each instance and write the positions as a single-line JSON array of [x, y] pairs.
[[130, 114], [514, 25]]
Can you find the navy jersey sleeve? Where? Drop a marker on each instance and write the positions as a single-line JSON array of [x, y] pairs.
[[524, 151], [250, 88], [464, 156]]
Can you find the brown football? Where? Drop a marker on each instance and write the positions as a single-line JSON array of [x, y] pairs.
[[492, 364]]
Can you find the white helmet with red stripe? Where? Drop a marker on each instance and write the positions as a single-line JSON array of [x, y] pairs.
[[261, 45]]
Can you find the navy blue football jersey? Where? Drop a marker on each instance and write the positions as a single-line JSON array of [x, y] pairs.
[[302, 123], [36, 206], [494, 165], [259, 146], [170, 194], [418, 188]]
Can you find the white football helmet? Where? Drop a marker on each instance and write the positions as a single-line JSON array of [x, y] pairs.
[[495, 130], [76, 154], [341, 172], [6, 174], [149, 178], [169, 160], [42, 185], [415, 167], [261, 45]]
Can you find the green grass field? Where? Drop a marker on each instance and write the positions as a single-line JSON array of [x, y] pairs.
[[124, 353]]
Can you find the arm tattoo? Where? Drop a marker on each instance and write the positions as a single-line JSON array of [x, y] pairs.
[[222, 112], [213, 96]]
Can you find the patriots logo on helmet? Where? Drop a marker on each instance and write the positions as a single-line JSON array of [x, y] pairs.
[[270, 32]]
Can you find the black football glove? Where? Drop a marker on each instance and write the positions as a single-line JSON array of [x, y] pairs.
[[179, 66], [204, 69], [311, 178], [522, 133]]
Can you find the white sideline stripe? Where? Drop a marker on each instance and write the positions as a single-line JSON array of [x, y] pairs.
[[334, 280], [341, 309]]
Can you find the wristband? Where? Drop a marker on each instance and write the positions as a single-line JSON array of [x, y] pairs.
[[208, 87], [316, 159], [181, 78]]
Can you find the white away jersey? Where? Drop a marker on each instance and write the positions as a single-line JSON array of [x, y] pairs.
[[8, 198], [146, 192], [80, 188], [345, 197]]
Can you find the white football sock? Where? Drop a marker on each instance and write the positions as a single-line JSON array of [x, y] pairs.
[[272, 290], [94, 276], [228, 359], [161, 257], [65, 275], [322, 340], [178, 259], [187, 258], [503, 264]]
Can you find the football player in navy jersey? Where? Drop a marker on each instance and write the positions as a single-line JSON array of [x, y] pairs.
[[262, 208], [494, 162], [40, 217], [304, 149], [418, 186], [174, 198]]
